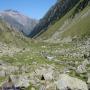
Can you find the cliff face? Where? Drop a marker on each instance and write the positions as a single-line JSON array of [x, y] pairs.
[[55, 13]]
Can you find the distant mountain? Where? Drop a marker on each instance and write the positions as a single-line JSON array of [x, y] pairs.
[[18, 21]]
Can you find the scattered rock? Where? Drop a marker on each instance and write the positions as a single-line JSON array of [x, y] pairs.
[[82, 68]]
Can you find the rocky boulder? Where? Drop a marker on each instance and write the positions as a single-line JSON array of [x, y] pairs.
[[20, 80], [47, 72], [67, 82]]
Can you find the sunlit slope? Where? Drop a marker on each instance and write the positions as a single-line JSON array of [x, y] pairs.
[[10, 36]]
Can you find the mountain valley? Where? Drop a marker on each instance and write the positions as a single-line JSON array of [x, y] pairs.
[[57, 48]]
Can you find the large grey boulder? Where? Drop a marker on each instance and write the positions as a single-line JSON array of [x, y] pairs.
[[20, 80], [65, 81], [47, 72]]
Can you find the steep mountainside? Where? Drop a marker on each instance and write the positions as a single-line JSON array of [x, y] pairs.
[[55, 13], [18, 21], [75, 24], [65, 18]]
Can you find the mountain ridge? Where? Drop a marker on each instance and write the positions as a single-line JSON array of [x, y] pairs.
[[19, 21]]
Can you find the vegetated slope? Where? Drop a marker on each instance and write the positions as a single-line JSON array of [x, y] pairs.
[[10, 36], [81, 27], [18, 21], [76, 23], [55, 13]]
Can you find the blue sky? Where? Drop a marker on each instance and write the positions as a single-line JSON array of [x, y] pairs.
[[32, 8]]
